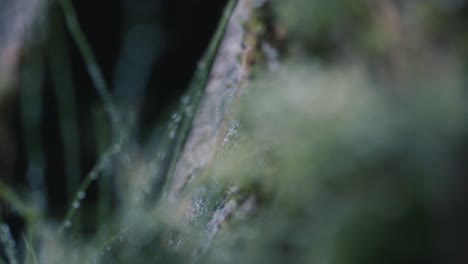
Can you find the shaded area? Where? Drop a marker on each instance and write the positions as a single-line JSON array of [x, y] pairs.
[[104, 22]]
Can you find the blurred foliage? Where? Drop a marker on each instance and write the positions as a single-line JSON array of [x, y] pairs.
[[358, 139], [353, 174], [349, 146]]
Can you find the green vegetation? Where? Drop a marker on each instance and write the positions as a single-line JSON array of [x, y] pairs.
[[348, 146]]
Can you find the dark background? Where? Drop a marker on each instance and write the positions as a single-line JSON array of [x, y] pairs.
[[186, 28]]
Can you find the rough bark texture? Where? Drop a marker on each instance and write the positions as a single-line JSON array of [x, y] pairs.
[[227, 80]]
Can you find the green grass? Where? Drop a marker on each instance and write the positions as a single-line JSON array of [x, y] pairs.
[[351, 158]]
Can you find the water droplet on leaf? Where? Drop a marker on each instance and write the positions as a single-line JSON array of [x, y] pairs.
[[81, 195], [67, 224]]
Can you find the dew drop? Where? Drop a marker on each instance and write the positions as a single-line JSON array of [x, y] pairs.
[[109, 248], [81, 195], [122, 239], [172, 134], [189, 111], [161, 155], [76, 204], [67, 224], [177, 118], [185, 99], [93, 176]]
